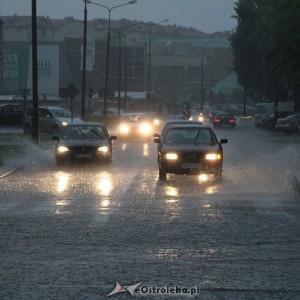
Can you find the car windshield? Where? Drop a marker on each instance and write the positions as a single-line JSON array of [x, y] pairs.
[[61, 113], [197, 136], [84, 132], [134, 118]]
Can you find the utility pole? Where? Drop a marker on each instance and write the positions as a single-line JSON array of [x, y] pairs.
[[35, 99]]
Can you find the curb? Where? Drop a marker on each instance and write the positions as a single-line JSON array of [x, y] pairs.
[[11, 172]]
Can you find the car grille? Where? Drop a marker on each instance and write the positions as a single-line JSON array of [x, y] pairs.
[[191, 157], [83, 149]]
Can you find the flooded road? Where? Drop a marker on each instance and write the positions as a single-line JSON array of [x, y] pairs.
[[72, 232]]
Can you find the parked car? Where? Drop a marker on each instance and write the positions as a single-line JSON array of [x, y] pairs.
[[289, 124], [224, 120], [11, 114], [85, 143], [271, 120], [190, 149], [135, 125], [51, 119]]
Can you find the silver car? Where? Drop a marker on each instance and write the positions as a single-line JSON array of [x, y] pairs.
[[51, 119], [289, 124]]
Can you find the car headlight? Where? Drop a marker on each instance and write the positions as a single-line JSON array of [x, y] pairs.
[[201, 118], [64, 123], [171, 156], [213, 156], [124, 128], [145, 128], [103, 149], [62, 149], [156, 121]]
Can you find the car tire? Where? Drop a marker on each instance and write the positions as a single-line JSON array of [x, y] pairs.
[[162, 174]]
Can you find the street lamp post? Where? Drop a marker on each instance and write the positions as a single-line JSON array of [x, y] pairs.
[[109, 9], [84, 63], [149, 61], [202, 75]]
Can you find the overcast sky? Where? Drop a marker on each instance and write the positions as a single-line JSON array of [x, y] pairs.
[[206, 15]]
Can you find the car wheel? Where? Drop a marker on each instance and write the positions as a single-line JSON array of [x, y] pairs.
[[162, 174], [55, 130], [27, 129]]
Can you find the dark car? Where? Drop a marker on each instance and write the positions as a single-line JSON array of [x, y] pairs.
[[173, 122], [84, 142], [190, 149], [224, 120], [11, 114]]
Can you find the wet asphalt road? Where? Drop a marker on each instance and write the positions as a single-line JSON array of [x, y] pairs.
[[71, 233]]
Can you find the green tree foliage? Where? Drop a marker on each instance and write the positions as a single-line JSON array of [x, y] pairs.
[[266, 47]]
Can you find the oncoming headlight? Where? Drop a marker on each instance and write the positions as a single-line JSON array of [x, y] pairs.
[[171, 156], [64, 123], [213, 156], [156, 121], [145, 128], [124, 128], [62, 149], [103, 149]]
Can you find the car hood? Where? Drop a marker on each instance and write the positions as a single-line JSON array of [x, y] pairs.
[[69, 120], [84, 142], [191, 148]]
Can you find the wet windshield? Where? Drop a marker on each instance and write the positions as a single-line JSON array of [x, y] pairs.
[[84, 132], [61, 113], [195, 136]]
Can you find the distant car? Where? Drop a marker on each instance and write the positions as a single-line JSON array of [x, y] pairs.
[[196, 116], [51, 119], [190, 149], [212, 115], [85, 143], [271, 120], [11, 114], [289, 124], [135, 125], [224, 120]]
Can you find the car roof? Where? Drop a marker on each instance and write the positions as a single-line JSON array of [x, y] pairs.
[[133, 114], [190, 126], [183, 121], [87, 124]]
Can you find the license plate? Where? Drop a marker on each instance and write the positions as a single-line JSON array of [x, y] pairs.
[[84, 155], [191, 166], [224, 125]]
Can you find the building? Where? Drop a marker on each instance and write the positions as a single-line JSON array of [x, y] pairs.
[[184, 63]]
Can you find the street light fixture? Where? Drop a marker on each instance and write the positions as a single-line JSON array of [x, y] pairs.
[[109, 9], [149, 61], [202, 75]]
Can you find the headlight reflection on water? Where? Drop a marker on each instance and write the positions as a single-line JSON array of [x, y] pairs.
[[104, 184], [62, 181]]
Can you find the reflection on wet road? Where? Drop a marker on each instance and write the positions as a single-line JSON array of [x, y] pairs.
[[73, 231]]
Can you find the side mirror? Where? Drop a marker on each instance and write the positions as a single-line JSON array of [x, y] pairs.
[[55, 137], [157, 140], [156, 135], [113, 137], [223, 141]]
